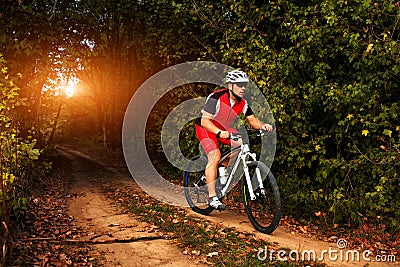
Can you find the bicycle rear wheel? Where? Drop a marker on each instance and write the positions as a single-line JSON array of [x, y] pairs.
[[265, 211], [195, 189]]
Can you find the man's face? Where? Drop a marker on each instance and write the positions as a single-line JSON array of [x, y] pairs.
[[239, 88]]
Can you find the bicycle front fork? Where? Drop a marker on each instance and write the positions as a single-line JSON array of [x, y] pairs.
[[248, 180]]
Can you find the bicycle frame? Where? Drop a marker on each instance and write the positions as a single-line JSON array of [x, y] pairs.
[[242, 157]]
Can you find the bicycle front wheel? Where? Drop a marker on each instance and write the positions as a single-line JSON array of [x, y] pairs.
[[264, 211], [195, 188]]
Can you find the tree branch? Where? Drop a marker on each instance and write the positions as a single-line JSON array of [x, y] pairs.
[[115, 240]]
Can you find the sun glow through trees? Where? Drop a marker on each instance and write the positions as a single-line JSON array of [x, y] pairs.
[[70, 88], [62, 85]]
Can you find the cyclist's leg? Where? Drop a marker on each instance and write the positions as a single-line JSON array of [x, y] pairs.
[[211, 178], [209, 143], [211, 171], [232, 143]]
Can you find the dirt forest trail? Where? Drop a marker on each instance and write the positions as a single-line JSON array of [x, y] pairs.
[[123, 240]]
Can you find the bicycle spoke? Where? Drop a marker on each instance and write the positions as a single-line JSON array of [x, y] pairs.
[[264, 211]]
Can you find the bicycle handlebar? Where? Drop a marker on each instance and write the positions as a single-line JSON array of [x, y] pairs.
[[237, 136]]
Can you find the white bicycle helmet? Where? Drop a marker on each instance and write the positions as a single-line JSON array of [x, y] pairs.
[[236, 76]]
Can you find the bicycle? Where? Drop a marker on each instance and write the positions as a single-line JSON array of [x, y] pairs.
[[260, 192]]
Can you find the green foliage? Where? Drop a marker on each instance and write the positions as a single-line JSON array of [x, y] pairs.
[[16, 158], [330, 71]]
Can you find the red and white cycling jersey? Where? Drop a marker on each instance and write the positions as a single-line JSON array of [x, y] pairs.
[[224, 109]]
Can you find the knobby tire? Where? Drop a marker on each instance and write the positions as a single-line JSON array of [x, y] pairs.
[[265, 211], [197, 199]]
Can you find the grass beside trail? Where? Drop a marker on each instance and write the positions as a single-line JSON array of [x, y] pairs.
[[202, 240]]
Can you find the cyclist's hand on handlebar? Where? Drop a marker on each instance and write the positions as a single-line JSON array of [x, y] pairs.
[[224, 134], [267, 127]]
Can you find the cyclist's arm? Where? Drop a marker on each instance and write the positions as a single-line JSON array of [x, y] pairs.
[[206, 122], [257, 124]]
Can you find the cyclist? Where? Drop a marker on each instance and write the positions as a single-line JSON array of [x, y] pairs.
[[214, 125]]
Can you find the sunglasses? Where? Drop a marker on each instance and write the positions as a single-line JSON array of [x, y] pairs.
[[242, 84]]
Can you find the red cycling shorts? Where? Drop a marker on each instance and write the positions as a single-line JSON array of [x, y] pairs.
[[209, 141]]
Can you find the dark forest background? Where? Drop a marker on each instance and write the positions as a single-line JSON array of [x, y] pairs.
[[329, 70]]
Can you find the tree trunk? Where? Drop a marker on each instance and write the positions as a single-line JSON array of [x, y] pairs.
[[53, 130], [104, 126]]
